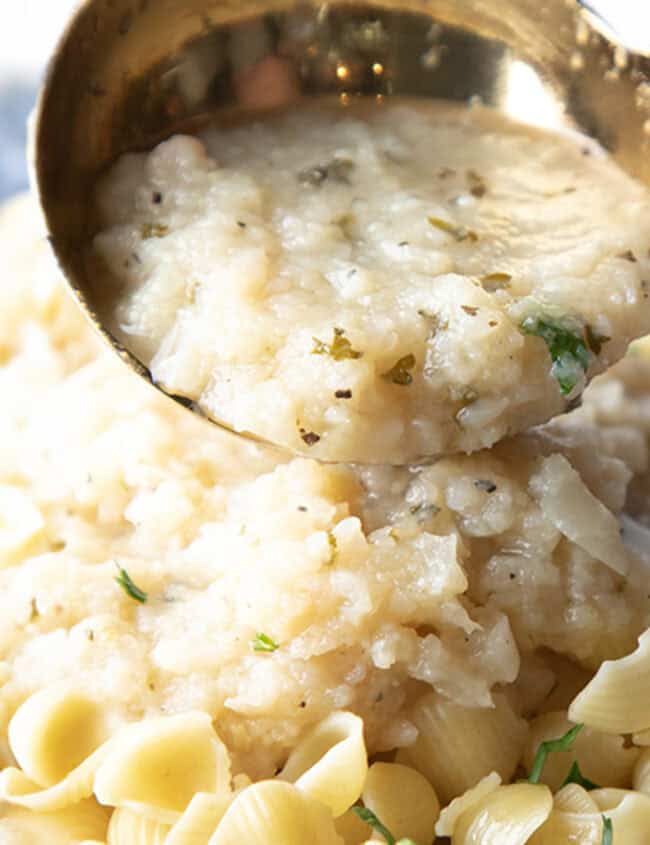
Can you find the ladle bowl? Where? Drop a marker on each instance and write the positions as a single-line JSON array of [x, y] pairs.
[[129, 73]]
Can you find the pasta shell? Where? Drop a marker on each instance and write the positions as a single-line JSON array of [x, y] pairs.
[[157, 766], [603, 758], [331, 762], [630, 816], [508, 816], [200, 820], [86, 822], [350, 827], [457, 746], [641, 778], [569, 829], [403, 799], [54, 731], [273, 812], [615, 701], [574, 799], [17, 789], [452, 812], [128, 828]]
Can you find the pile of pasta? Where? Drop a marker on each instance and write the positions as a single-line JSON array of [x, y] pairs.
[[168, 780]]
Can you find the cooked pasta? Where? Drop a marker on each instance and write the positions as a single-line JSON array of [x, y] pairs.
[[157, 766], [54, 731], [507, 816], [276, 811], [200, 820], [452, 812], [129, 828], [629, 813], [457, 746], [330, 763], [616, 700], [56, 736], [641, 779], [84, 822], [403, 799], [603, 758]]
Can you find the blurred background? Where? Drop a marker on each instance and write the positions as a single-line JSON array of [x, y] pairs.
[[30, 29]]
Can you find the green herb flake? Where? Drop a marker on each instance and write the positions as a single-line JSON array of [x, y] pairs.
[[563, 743], [126, 583], [263, 643], [371, 819], [424, 511], [568, 346], [334, 548], [153, 230], [400, 374], [340, 349], [576, 776], [459, 233], [608, 833], [496, 281]]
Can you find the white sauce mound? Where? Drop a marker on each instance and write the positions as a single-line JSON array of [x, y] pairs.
[[353, 285], [379, 586]]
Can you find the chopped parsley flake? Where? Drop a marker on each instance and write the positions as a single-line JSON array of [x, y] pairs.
[[400, 373], [570, 345], [576, 776], [371, 819], [608, 833], [563, 743], [424, 511], [263, 643], [133, 591], [334, 547], [340, 349], [459, 233], [153, 230]]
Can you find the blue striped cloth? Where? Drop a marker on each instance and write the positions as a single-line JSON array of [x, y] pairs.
[[16, 102]]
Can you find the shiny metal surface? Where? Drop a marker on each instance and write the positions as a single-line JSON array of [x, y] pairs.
[[128, 73]]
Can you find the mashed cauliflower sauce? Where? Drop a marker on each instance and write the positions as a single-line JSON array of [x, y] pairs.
[[205, 642], [380, 286]]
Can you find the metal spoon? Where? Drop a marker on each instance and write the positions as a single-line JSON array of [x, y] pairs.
[[129, 73]]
